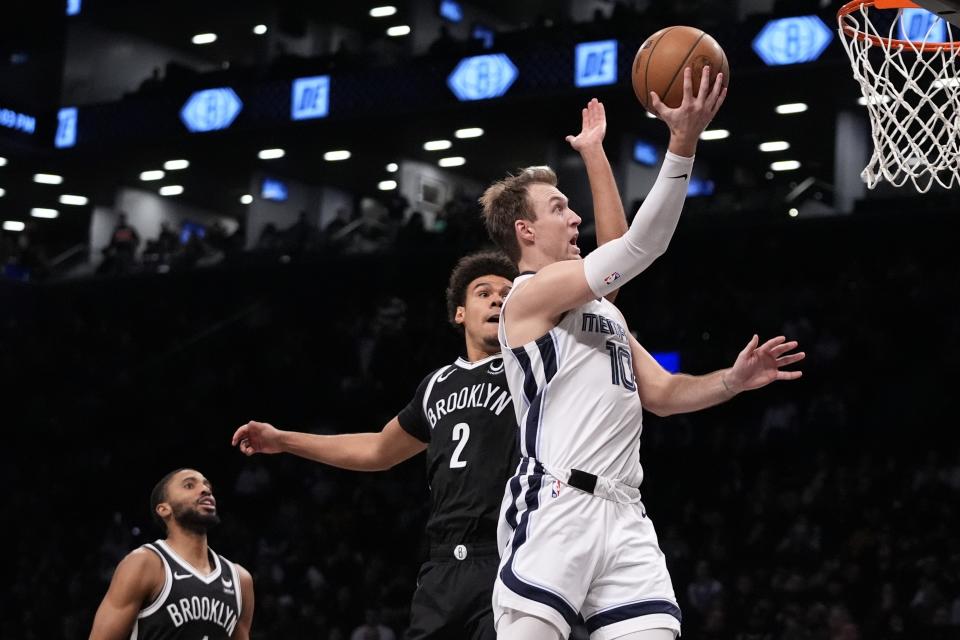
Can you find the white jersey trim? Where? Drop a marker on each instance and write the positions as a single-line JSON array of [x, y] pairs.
[[164, 592], [466, 364], [426, 393], [207, 579]]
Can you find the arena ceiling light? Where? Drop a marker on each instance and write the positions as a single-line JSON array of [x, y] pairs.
[[260, 29], [437, 145], [387, 185], [774, 145], [3, 192], [398, 30], [204, 38], [791, 107], [393, 167], [176, 165], [793, 212], [77, 201], [714, 134], [246, 199], [271, 154], [785, 165], [13, 225], [651, 115], [882, 99], [337, 155], [153, 174], [453, 161], [3, 162], [41, 212], [47, 178], [383, 12], [171, 190], [469, 132]]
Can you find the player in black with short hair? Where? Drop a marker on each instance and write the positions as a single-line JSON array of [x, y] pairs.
[[178, 588], [462, 415]]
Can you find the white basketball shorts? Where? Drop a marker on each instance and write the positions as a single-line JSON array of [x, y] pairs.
[[565, 552]]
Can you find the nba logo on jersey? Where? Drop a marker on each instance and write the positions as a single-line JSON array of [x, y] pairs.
[[612, 277], [555, 491]]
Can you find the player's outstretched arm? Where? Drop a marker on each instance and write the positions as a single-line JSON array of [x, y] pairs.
[[561, 286], [376, 451], [611, 222], [756, 366], [135, 579], [242, 630]]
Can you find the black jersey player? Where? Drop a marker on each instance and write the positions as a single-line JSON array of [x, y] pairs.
[[178, 588], [462, 416]]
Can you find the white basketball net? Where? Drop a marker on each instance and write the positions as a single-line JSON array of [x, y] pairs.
[[913, 97]]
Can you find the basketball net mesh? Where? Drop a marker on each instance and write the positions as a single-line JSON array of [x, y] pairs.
[[912, 93]]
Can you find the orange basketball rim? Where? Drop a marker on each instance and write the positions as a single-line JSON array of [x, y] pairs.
[[852, 31]]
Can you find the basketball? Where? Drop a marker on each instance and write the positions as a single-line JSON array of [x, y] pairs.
[[659, 64]]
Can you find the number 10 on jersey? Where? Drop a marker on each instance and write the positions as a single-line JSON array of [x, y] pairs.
[[621, 365]]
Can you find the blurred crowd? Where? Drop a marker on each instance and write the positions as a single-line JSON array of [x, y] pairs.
[[823, 509]]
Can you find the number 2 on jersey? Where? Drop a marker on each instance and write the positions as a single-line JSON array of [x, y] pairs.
[[621, 365], [461, 433]]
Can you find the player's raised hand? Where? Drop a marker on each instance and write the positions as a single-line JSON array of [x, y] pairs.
[[758, 366], [688, 121], [257, 437], [593, 129]]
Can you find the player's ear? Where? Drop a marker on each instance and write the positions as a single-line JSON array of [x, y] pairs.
[[524, 230], [164, 510], [459, 316]]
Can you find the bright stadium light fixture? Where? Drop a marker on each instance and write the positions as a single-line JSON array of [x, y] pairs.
[[399, 30], [176, 165], [793, 212], [40, 212], [785, 165], [882, 99], [149, 176], [334, 156], [393, 167], [453, 161], [271, 154], [469, 132], [47, 178], [3, 162], [774, 145], [383, 12], [204, 38], [171, 190], [13, 225], [714, 134], [260, 29], [651, 115], [791, 107], [246, 199], [387, 185], [949, 83], [77, 201], [3, 192], [437, 145]]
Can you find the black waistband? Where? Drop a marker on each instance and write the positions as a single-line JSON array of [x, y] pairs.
[[463, 550], [582, 480]]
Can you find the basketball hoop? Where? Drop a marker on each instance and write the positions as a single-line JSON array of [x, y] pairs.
[[911, 89]]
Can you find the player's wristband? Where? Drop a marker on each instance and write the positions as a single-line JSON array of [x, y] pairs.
[[611, 265]]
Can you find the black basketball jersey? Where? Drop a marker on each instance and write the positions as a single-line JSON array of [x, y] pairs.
[[191, 606], [465, 415]]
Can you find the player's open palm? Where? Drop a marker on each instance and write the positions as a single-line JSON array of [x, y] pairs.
[[257, 437], [696, 111], [593, 129], [756, 367]]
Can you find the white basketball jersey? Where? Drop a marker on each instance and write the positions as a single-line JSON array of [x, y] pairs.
[[575, 394]]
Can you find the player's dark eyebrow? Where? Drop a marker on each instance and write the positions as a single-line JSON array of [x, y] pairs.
[[482, 283]]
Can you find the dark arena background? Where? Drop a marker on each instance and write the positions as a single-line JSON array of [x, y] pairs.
[[216, 212]]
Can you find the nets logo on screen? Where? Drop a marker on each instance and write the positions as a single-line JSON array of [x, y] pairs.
[[310, 98], [920, 25], [596, 63], [482, 77], [66, 128], [210, 110], [792, 40]]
